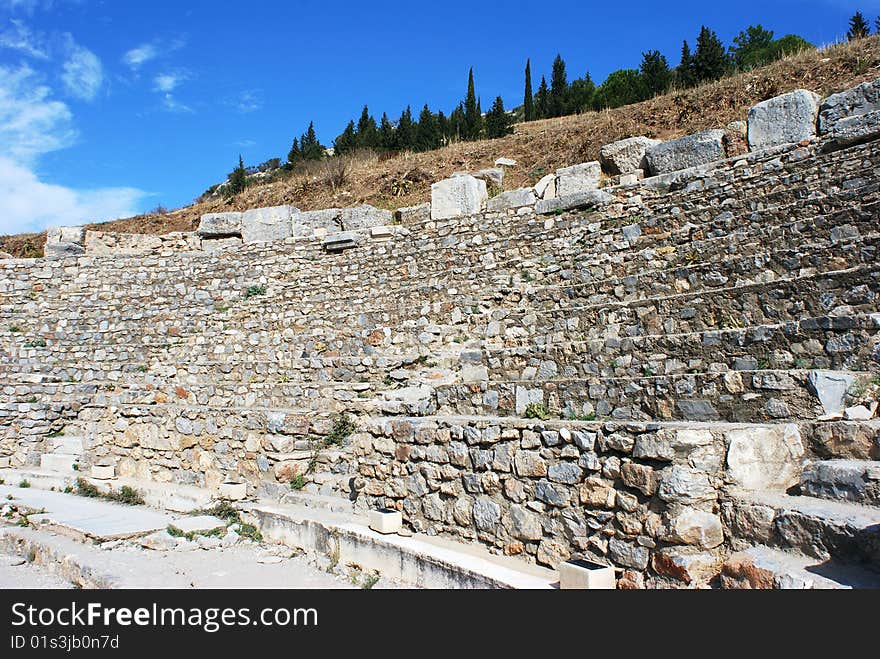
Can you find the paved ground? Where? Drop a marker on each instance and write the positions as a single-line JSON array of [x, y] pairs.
[[16, 572], [71, 539]]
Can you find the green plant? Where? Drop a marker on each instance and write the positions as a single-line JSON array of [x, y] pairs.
[[254, 291], [342, 428], [537, 411], [57, 433], [298, 482], [36, 343], [86, 489], [142, 368], [369, 580], [24, 483], [224, 510], [75, 466], [15, 329], [32, 399], [68, 490], [126, 495], [582, 417]]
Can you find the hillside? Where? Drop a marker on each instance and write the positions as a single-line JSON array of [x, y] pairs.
[[539, 146]]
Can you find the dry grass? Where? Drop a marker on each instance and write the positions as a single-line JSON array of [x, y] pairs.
[[539, 147]]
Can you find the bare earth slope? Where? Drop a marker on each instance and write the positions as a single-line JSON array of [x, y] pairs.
[[539, 147]]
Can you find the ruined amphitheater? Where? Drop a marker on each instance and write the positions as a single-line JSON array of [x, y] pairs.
[[665, 363]]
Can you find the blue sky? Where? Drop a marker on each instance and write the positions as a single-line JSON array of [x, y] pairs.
[[112, 107]]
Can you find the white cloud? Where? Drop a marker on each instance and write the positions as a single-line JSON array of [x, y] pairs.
[[18, 36], [249, 101], [28, 204], [137, 57], [31, 123], [83, 73], [166, 82], [173, 105]]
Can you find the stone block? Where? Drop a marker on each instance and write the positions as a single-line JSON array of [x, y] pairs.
[[217, 244], [785, 119], [685, 152], [64, 241], [386, 521], [512, 199], [364, 217], [830, 388], [546, 187], [220, 224], [764, 457], [232, 490], [578, 178], [103, 472], [584, 575], [861, 100], [262, 225], [413, 214], [337, 242], [625, 156], [457, 196], [577, 201], [493, 175]]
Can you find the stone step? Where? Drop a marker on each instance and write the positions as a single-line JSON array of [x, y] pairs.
[[420, 560], [842, 531], [162, 496], [764, 568], [857, 481], [38, 479], [62, 463], [331, 504], [67, 444]]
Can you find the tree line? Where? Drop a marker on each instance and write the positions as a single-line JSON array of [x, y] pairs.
[[708, 60]]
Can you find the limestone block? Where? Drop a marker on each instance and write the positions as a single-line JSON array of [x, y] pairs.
[[685, 152], [220, 224], [580, 200], [386, 521], [363, 217], [232, 491], [830, 388], [861, 100], [579, 178], [625, 156], [263, 225], [512, 199], [457, 196], [696, 527], [494, 175], [64, 241], [337, 242], [413, 214], [99, 243], [784, 119], [855, 130], [546, 187], [505, 162], [764, 458], [307, 223], [103, 472], [584, 575]]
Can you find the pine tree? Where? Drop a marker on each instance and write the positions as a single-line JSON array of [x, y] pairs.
[[750, 46], [442, 127], [456, 124], [581, 94], [386, 133], [542, 100], [427, 135], [367, 131], [558, 88], [471, 112], [655, 73], [405, 133], [294, 155], [237, 179], [684, 73], [858, 27], [345, 142], [528, 100], [498, 122], [710, 59]]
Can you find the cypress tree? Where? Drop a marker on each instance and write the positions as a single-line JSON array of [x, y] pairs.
[[367, 132], [405, 133], [456, 124], [528, 100], [558, 88], [386, 133], [471, 111], [710, 59], [655, 73], [294, 155], [237, 179], [684, 73], [309, 145], [858, 27], [442, 127], [498, 122], [427, 135], [346, 141], [542, 100]]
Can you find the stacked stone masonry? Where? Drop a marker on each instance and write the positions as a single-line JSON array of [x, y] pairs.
[[665, 332]]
